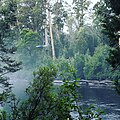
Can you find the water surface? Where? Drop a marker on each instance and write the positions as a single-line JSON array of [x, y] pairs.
[[105, 98]]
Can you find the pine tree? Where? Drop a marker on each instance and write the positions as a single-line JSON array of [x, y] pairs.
[[7, 64]]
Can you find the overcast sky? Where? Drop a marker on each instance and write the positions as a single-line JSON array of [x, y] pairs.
[[70, 2]]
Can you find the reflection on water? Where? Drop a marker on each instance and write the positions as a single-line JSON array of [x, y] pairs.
[[105, 98]]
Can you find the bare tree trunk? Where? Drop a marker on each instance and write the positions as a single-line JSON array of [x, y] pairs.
[[46, 23], [51, 36]]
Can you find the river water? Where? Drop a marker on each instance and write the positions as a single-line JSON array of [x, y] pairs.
[[105, 98]]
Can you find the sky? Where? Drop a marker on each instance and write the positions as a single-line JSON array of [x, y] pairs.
[[70, 2]]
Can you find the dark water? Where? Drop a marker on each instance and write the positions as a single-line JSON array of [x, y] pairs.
[[105, 98]]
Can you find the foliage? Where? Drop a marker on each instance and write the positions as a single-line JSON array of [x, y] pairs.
[[109, 20], [79, 64], [73, 45], [40, 99], [94, 66], [42, 102], [23, 22], [80, 9], [107, 12], [28, 39], [27, 47], [60, 15], [7, 64], [32, 14], [87, 39]]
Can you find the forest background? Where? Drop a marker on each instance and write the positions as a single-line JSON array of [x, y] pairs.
[[76, 33], [37, 30]]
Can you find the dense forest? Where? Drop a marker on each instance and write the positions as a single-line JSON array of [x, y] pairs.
[[57, 40], [56, 30]]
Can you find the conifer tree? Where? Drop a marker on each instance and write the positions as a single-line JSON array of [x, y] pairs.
[[7, 31]]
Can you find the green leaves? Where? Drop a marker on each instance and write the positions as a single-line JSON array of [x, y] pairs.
[[28, 39], [108, 18], [60, 15], [108, 15], [93, 113], [43, 102], [80, 9]]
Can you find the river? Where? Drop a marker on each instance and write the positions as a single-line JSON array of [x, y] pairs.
[[105, 98]]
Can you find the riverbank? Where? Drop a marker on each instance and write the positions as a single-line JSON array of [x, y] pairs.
[[90, 83]]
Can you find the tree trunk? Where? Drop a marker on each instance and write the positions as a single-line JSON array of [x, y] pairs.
[[51, 36]]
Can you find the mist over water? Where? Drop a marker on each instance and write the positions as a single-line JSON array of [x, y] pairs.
[[105, 98], [20, 81]]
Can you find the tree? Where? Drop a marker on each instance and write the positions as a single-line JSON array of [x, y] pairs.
[[42, 103], [108, 14], [80, 8], [96, 66], [45, 101], [115, 5], [109, 19], [79, 63], [27, 51], [40, 99], [7, 64], [36, 16], [60, 16], [32, 15]]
